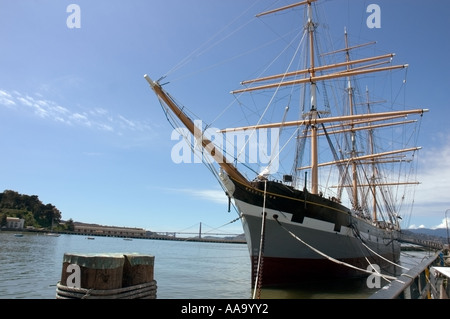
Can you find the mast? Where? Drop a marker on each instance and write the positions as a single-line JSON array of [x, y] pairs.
[[353, 134], [312, 120], [374, 167], [197, 133], [313, 112]]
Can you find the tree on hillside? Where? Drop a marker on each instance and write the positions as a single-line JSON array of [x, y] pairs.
[[70, 225], [43, 214], [3, 220]]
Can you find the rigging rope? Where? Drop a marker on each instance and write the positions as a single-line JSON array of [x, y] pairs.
[[200, 50], [274, 94], [331, 258]]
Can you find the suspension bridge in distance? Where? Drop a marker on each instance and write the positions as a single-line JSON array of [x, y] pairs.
[[239, 238], [208, 236]]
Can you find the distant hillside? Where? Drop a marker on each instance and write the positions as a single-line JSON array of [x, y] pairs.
[[238, 238], [433, 234], [28, 207], [438, 232]]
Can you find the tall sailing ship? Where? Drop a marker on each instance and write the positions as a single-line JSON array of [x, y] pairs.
[[329, 215]]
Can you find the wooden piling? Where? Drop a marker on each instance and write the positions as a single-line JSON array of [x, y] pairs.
[[107, 276], [97, 271], [137, 269]]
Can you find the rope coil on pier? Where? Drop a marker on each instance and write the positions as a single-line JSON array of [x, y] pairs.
[[141, 291]]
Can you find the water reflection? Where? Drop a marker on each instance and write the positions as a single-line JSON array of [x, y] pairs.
[[31, 266]]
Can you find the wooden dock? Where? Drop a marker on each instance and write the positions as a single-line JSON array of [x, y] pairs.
[[431, 244], [428, 280]]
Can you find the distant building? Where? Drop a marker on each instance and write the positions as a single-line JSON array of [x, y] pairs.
[[90, 229], [14, 222]]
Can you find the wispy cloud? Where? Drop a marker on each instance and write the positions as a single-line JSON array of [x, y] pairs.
[[217, 196], [211, 195], [434, 174], [443, 224], [98, 118], [432, 195], [6, 99]]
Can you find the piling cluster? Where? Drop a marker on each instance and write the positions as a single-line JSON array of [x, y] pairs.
[[107, 276]]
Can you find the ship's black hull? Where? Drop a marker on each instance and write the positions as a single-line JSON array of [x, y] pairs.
[[307, 236]]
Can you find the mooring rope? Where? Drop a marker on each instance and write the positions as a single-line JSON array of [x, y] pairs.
[[258, 277], [331, 258], [374, 252], [358, 235], [140, 291]]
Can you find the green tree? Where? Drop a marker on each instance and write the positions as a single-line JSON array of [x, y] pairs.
[[70, 225], [29, 208], [2, 220]]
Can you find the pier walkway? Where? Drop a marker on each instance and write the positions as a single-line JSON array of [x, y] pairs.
[[432, 244], [428, 280]]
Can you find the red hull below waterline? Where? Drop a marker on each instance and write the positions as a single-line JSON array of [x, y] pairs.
[[289, 272]]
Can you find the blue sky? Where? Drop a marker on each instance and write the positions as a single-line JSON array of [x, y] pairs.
[[82, 130]]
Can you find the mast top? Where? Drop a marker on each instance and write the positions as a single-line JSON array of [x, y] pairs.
[[150, 81], [286, 7]]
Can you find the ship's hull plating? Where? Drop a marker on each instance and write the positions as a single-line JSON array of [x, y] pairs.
[[302, 232]]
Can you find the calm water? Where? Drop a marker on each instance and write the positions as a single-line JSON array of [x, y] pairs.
[[30, 268]]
